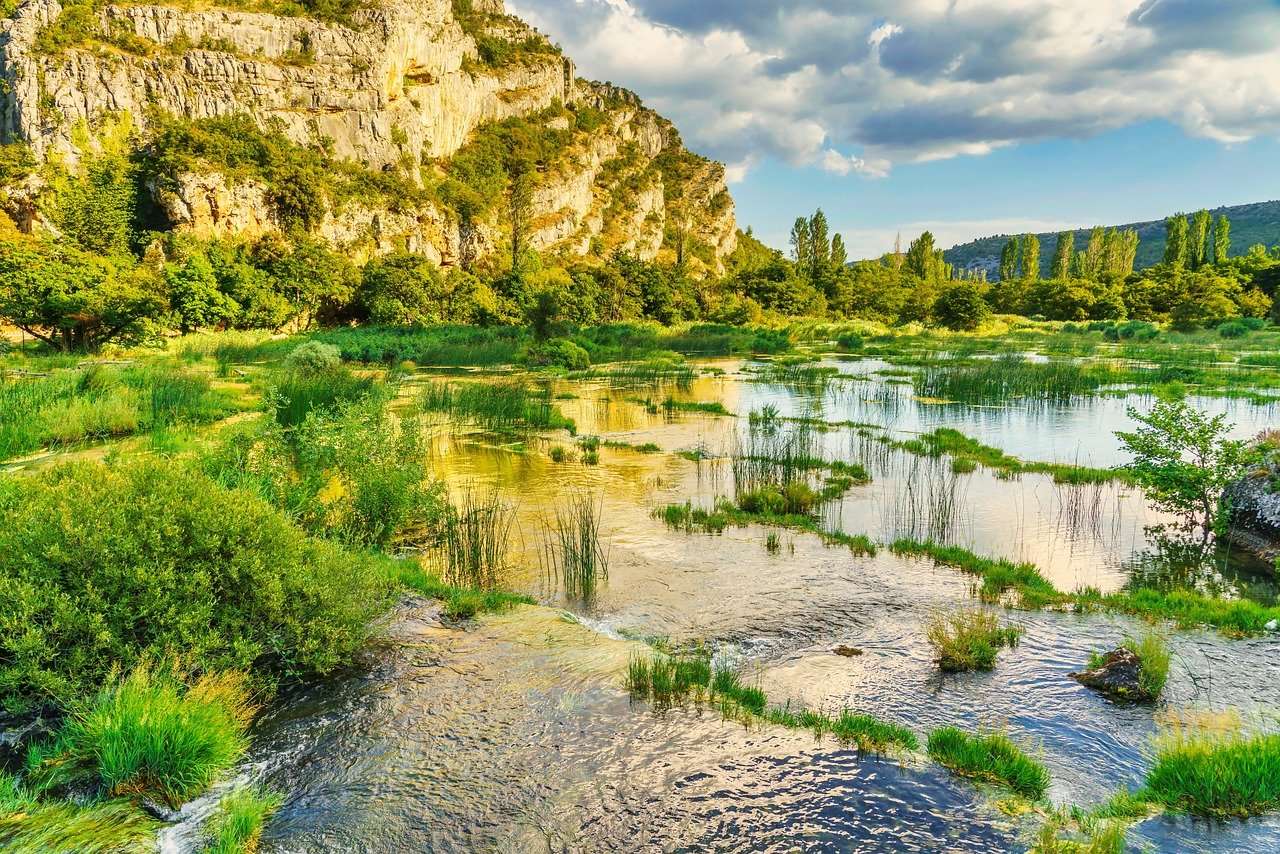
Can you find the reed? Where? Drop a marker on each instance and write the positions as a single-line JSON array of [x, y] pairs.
[[497, 406], [572, 548], [1007, 377], [969, 639], [474, 541]]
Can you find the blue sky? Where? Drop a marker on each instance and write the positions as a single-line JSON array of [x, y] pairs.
[[968, 117]]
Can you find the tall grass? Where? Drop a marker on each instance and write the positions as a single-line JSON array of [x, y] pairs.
[[496, 405], [1217, 774], [296, 393], [443, 345], [149, 734], [1153, 656], [237, 825], [969, 639], [474, 540], [31, 825], [1007, 377], [992, 758], [572, 550]]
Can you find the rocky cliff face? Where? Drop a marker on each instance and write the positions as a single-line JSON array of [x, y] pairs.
[[400, 84]]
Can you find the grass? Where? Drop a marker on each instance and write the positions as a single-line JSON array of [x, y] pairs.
[[1186, 608], [991, 758], [498, 406], [296, 393], [671, 405], [149, 734], [30, 825], [443, 345], [460, 603], [100, 401], [969, 639], [572, 551], [1153, 656], [237, 825], [1006, 377], [667, 679], [966, 453], [473, 541], [1215, 774]]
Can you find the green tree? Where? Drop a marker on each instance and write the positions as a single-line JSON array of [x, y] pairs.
[[839, 254], [1009, 260], [1091, 268], [314, 279], [70, 299], [820, 244], [403, 289], [802, 246], [1221, 239], [1198, 240], [1062, 255], [1175, 245], [1030, 257], [195, 296], [922, 258], [1183, 461], [961, 306]]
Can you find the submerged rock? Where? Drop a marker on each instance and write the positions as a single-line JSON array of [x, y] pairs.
[[1118, 675], [847, 651], [18, 732]]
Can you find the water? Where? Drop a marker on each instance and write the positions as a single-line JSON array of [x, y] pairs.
[[518, 735]]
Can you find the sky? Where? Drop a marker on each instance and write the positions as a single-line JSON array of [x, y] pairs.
[[966, 117]]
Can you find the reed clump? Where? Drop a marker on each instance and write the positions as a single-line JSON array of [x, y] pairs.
[[969, 639], [496, 406], [474, 541], [573, 551], [237, 825]]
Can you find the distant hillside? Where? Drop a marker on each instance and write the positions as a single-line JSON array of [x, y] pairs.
[[1253, 223]]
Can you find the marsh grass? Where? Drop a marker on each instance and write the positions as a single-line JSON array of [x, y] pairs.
[[32, 825], [966, 453], [1153, 655], [1007, 377], [149, 734], [1216, 774], [460, 603], [667, 679], [474, 539], [991, 758], [237, 825], [670, 406], [998, 575], [969, 639], [572, 549], [294, 394], [496, 406]]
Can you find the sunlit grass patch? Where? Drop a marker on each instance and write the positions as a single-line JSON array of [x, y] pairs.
[[237, 825], [998, 575], [496, 405], [991, 758], [969, 639], [573, 551], [32, 825], [460, 603]]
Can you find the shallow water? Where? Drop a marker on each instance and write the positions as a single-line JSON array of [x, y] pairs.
[[517, 734]]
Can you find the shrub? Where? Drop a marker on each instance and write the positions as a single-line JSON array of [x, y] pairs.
[[993, 758], [849, 341], [559, 352], [1233, 329], [148, 734], [313, 357], [969, 639], [104, 565], [961, 306]]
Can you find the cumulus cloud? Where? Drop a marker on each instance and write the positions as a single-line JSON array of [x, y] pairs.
[[854, 88]]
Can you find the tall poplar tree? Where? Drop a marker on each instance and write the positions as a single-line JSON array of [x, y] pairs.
[[1030, 257], [1221, 239], [1093, 253], [1009, 260], [1062, 254], [801, 246], [839, 254], [1198, 240], [1175, 241], [819, 248]]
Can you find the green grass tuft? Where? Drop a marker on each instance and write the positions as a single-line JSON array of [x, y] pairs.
[[237, 825], [969, 639], [992, 758]]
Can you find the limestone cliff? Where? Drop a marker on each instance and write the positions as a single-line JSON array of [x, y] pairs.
[[396, 85]]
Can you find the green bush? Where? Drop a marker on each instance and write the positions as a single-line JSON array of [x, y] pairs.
[[559, 352], [103, 565], [1233, 329], [969, 639], [313, 357]]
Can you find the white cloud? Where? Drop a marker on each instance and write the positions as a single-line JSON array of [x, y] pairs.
[[892, 81]]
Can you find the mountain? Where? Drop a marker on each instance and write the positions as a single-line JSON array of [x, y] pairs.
[[408, 113], [1250, 224]]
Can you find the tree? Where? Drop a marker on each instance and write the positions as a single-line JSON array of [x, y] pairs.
[[403, 289], [520, 172], [1175, 245], [801, 245], [1183, 461], [1198, 240], [1094, 254], [820, 245], [1030, 257], [839, 254], [195, 296], [961, 306], [1221, 239], [1009, 260], [1062, 255], [70, 299], [315, 279], [924, 261]]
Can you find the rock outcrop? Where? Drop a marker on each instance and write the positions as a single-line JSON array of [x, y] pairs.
[[1254, 503], [1118, 675], [399, 84]]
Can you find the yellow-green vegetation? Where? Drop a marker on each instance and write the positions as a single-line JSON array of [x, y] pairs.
[[68, 406], [991, 758], [460, 603], [666, 679], [511, 405], [969, 639], [967, 452], [1186, 608], [228, 581], [31, 824], [1215, 774], [148, 734], [237, 825], [1152, 652]]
